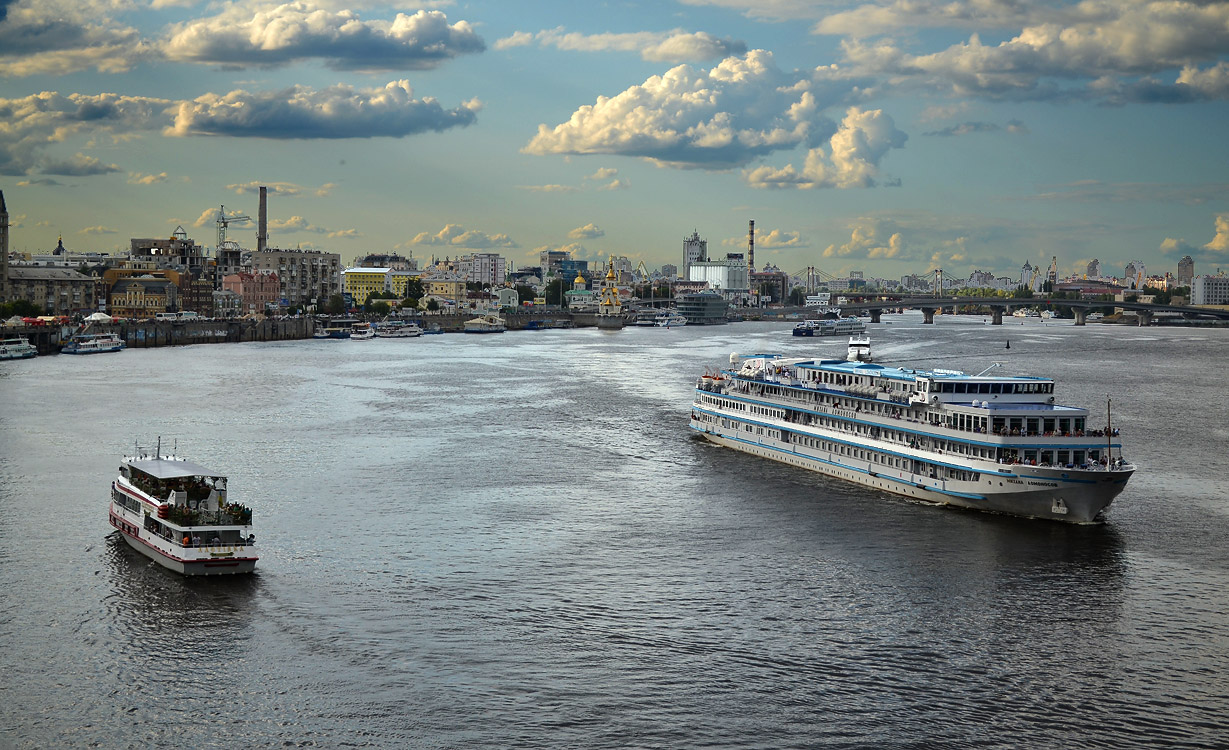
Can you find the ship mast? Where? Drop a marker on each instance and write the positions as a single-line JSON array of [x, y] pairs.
[[1109, 431]]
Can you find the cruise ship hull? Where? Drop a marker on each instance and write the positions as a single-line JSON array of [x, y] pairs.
[[206, 561], [1071, 496]]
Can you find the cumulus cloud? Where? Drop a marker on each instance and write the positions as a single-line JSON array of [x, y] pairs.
[[304, 30], [271, 188], [33, 123], [605, 173], [98, 230], [587, 232], [1112, 51], [136, 178], [79, 165], [866, 241], [851, 159], [58, 37], [339, 111], [44, 181], [655, 46], [454, 235], [743, 108], [1214, 251], [776, 239]]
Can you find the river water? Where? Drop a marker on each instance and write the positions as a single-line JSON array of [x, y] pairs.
[[514, 541]]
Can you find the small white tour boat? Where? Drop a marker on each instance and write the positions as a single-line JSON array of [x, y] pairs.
[[177, 513], [93, 343], [362, 332], [18, 347], [859, 349], [398, 330], [669, 319]]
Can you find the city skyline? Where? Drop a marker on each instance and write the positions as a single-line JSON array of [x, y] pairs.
[[890, 137]]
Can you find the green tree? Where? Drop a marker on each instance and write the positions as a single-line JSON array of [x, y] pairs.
[[379, 307], [414, 288], [336, 305], [432, 304], [525, 293], [22, 307], [797, 296], [554, 292]]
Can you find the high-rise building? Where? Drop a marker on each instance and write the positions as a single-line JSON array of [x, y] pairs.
[[1094, 269], [695, 250], [306, 277], [1186, 271]]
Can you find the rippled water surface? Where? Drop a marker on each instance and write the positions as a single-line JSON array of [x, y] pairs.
[[513, 541]]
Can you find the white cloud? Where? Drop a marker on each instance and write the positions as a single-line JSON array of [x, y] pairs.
[[33, 123], [79, 165], [339, 111], [1097, 50], [1215, 250], [851, 160], [58, 37], [743, 108], [136, 178], [865, 241], [98, 230], [605, 173], [303, 30], [587, 232], [454, 235], [285, 189], [656, 46]]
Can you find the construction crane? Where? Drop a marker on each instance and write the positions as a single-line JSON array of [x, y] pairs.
[[225, 221]]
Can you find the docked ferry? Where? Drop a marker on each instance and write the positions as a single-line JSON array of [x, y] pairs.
[[18, 347], [942, 436], [177, 513], [839, 327], [93, 343]]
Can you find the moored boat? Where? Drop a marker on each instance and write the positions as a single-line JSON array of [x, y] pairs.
[[362, 332], [669, 319], [489, 323], [17, 347], [998, 444], [398, 330], [178, 514], [838, 327], [93, 343]]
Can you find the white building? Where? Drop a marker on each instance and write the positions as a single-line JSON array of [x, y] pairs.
[[730, 277], [487, 269], [694, 250], [1210, 290]]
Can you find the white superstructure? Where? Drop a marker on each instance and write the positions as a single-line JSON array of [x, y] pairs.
[[177, 513], [18, 347], [976, 441]]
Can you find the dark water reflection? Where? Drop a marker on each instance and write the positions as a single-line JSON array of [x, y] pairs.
[[516, 543]]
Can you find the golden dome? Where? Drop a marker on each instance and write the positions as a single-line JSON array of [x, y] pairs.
[[580, 278]]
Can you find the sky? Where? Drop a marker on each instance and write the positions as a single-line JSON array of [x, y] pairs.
[[889, 137]]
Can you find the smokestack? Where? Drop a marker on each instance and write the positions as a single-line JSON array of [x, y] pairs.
[[262, 230], [751, 245]]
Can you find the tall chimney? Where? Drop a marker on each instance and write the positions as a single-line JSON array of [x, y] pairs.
[[751, 245], [262, 230]]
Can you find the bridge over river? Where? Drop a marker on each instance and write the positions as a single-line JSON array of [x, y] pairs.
[[1000, 305]]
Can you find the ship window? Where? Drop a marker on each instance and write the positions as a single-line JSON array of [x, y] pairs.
[[961, 388], [996, 387]]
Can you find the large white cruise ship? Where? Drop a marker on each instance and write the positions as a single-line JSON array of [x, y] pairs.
[[942, 436]]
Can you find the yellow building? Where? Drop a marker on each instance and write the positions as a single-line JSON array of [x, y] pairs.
[[445, 286], [360, 283]]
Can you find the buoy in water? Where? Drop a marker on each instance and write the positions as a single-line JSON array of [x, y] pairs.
[[1008, 343]]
